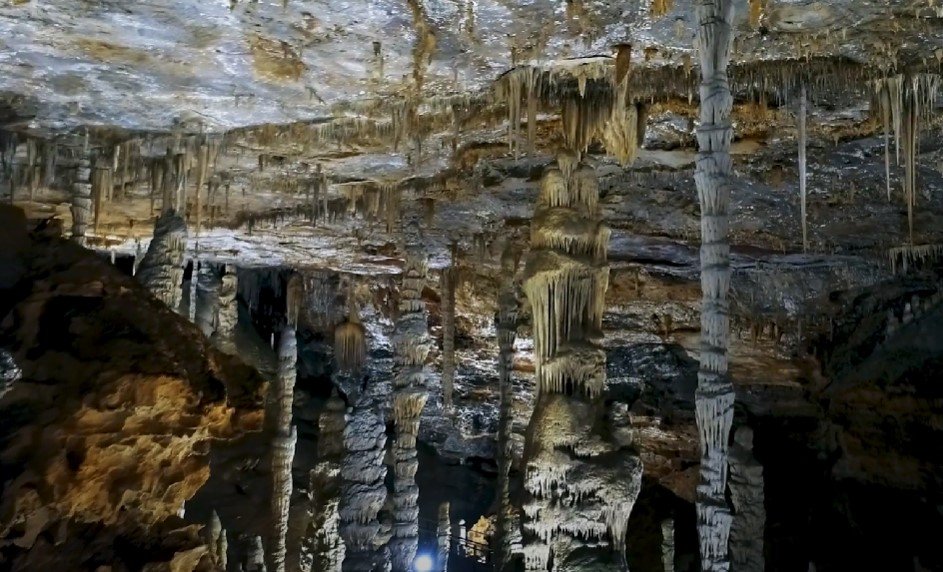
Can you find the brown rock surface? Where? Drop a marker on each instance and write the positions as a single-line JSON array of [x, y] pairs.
[[110, 427]]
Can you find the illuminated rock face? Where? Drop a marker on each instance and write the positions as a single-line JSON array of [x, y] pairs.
[[581, 485], [411, 346], [714, 396], [161, 271], [746, 495]]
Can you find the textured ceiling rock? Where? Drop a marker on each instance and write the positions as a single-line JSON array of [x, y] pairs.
[[118, 403]]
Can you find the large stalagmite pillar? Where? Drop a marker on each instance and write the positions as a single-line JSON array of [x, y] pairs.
[[746, 494], [449, 280], [411, 346], [81, 200], [443, 538], [505, 320], [161, 271], [581, 485], [714, 396], [363, 490], [322, 547], [227, 315], [283, 447]]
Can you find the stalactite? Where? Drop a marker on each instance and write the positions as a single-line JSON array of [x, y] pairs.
[[581, 485], [443, 538], [748, 499], [903, 258], [294, 298], [448, 283], [81, 200], [802, 168], [161, 270], [283, 447], [350, 339], [507, 530], [322, 547], [714, 395], [363, 489], [668, 545], [411, 346]]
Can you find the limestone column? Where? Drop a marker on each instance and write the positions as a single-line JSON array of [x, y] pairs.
[[668, 544], [581, 484], [363, 488], [411, 346], [714, 395], [322, 547], [746, 494], [228, 314], [254, 558], [507, 529], [81, 200], [161, 270], [448, 278], [283, 447], [443, 538]]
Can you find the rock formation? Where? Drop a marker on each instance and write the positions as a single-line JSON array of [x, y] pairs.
[[81, 200], [411, 346], [748, 499], [505, 321], [283, 447], [448, 281], [217, 542], [161, 271], [127, 421], [581, 486], [715, 393], [443, 538], [228, 313], [322, 547], [668, 545]]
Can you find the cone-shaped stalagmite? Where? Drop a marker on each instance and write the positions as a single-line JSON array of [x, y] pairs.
[[746, 495], [161, 270], [714, 396], [283, 447], [411, 346], [322, 547], [505, 321], [581, 485]]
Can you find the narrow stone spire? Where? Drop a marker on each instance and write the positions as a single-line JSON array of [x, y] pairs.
[[668, 544], [81, 200], [283, 447], [714, 396], [161, 270], [443, 538]]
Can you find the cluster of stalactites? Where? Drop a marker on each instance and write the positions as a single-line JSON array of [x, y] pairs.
[[905, 102], [374, 202], [566, 279], [161, 270], [903, 258], [606, 113], [350, 339]]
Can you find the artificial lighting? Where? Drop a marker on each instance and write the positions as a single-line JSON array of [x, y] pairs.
[[423, 563]]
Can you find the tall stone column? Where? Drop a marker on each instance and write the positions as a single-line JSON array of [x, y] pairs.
[[443, 538], [507, 529], [227, 316], [322, 547], [746, 494], [714, 395], [161, 270], [363, 488], [668, 544], [449, 280], [283, 447], [81, 200], [581, 484], [411, 346]]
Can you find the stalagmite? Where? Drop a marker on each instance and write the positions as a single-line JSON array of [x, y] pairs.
[[217, 542], [194, 282], [802, 168], [161, 270], [228, 313], [443, 538], [254, 559], [507, 526], [411, 346], [714, 395], [449, 278], [322, 547], [746, 495], [363, 491], [283, 447], [668, 545], [81, 200], [581, 484]]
